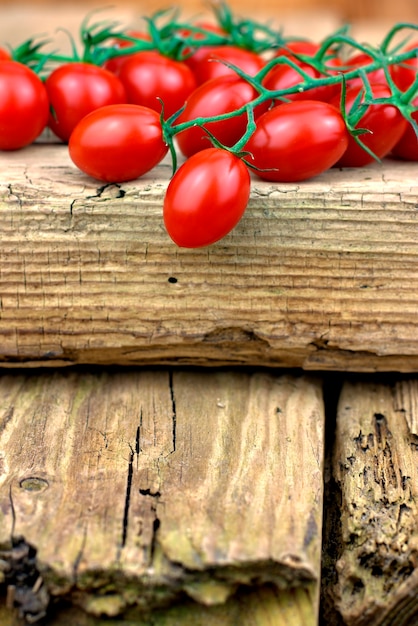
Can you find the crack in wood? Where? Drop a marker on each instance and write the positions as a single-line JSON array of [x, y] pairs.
[[127, 498], [173, 405]]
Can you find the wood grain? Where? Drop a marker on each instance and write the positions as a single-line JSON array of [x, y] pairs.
[[319, 275], [123, 491], [375, 468]]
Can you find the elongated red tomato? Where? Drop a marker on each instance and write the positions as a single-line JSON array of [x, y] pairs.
[[359, 60], [114, 64], [206, 198], [405, 73], [297, 46], [215, 97], [212, 64], [297, 140], [285, 76], [76, 89], [118, 142], [407, 146], [192, 57], [24, 106], [384, 122], [149, 77]]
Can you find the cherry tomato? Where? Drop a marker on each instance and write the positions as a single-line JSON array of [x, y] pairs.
[[75, 89], [215, 97], [4, 55], [297, 140], [296, 47], [193, 58], [114, 64], [405, 73], [292, 50], [361, 59], [285, 76], [206, 198], [24, 106], [212, 63], [150, 76], [384, 122], [118, 142], [407, 146]]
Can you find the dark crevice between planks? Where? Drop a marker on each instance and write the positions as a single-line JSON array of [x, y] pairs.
[[26, 595], [331, 525]]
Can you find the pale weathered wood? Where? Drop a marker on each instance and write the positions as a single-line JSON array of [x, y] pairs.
[[319, 275], [376, 469], [128, 490]]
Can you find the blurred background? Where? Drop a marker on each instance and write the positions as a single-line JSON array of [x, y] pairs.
[[308, 18]]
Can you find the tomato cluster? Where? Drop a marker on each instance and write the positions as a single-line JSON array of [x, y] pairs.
[[234, 99]]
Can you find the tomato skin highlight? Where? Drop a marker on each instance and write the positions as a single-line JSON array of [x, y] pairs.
[[385, 123], [118, 142], [206, 198], [149, 76], [75, 89], [24, 106], [215, 97], [296, 141]]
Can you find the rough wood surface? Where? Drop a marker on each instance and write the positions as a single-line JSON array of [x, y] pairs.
[[376, 469], [319, 275], [124, 491]]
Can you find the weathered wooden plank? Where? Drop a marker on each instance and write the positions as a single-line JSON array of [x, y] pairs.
[[376, 470], [128, 490], [319, 275]]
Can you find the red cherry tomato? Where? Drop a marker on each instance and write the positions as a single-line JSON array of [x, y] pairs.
[[114, 64], [296, 47], [285, 76], [384, 122], [76, 89], [297, 140], [194, 57], [118, 142], [407, 146], [149, 76], [4, 55], [206, 198], [405, 73], [361, 59], [212, 63], [24, 106], [215, 97]]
